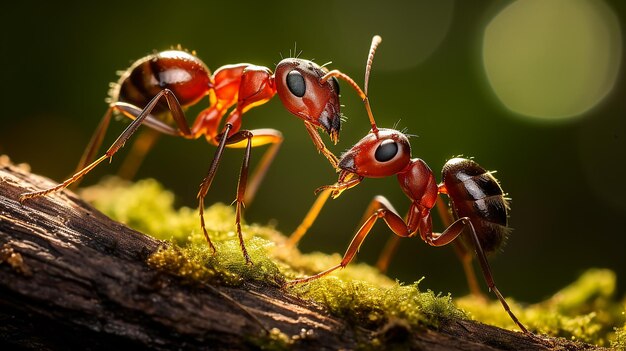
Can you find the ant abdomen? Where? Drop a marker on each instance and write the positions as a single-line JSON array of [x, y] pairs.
[[179, 71], [475, 193]]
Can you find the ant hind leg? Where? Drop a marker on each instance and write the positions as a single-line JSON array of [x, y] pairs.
[[451, 233], [144, 117]]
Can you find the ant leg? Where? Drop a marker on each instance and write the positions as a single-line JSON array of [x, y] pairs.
[[247, 139], [319, 144], [133, 112], [444, 212], [148, 138], [381, 209], [262, 137], [390, 247], [484, 265], [451, 233], [387, 254], [466, 259], [121, 139], [326, 191], [96, 140], [254, 138], [310, 217], [348, 182], [461, 251], [241, 191], [206, 182]]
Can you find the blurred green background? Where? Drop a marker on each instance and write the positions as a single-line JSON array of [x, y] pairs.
[[534, 90]]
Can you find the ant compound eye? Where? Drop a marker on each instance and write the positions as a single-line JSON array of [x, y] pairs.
[[295, 83], [386, 151], [335, 83]]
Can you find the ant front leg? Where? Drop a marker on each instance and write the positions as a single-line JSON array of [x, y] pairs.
[[320, 146], [140, 117], [347, 181], [310, 217], [451, 233], [247, 139], [379, 208]]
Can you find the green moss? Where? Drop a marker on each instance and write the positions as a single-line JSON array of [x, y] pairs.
[[585, 310], [275, 340], [619, 341], [148, 208]]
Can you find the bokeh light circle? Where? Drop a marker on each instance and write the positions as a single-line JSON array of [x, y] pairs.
[[552, 59]]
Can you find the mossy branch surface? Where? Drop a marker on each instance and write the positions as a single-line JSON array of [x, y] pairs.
[[160, 290]]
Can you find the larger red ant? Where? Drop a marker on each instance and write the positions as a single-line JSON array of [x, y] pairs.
[[477, 200], [169, 81]]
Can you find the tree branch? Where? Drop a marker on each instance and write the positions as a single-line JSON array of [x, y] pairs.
[[72, 278]]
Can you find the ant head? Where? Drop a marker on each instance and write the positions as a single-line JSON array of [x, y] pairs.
[[299, 86], [378, 155]]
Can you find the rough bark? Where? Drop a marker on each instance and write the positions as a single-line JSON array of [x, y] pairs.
[[71, 278]]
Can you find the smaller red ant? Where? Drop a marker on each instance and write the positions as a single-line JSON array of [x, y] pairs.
[[157, 88], [477, 200]]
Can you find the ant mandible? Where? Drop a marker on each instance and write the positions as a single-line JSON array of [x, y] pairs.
[[477, 199], [169, 81]]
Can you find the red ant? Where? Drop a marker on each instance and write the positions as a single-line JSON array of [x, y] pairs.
[[169, 81], [477, 200]]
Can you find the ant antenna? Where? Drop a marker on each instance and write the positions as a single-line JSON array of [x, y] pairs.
[[376, 40]]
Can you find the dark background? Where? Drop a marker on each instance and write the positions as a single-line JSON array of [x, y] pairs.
[[565, 176]]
